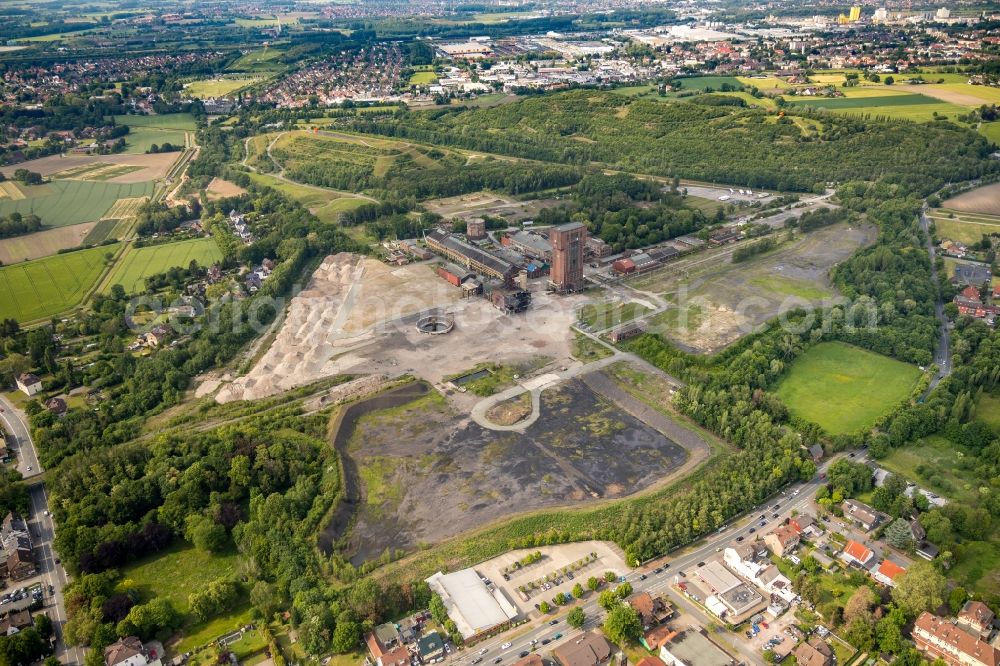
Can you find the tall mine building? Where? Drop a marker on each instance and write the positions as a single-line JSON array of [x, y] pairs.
[[568, 242]]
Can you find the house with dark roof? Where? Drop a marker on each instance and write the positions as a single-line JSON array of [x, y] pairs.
[[652, 610], [29, 384], [861, 514], [587, 649], [430, 647], [17, 559], [15, 622], [56, 405]]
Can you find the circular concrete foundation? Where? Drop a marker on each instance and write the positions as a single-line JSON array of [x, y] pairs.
[[436, 324]]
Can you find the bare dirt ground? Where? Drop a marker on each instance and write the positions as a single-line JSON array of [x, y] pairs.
[[945, 95], [425, 460], [338, 311], [219, 188], [42, 243], [985, 199], [713, 305], [358, 316], [487, 203], [153, 166]]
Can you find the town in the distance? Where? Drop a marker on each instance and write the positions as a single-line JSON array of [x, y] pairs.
[[499, 333]]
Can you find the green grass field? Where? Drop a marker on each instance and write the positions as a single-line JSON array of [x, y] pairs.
[[61, 203], [988, 411], [46, 287], [706, 82], [220, 87], [943, 467], [965, 228], [422, 78], [140, 139], [177, 572], [137, 263], [258, 61], [843, 388], [882, 102], [331, 211], [177, 121]]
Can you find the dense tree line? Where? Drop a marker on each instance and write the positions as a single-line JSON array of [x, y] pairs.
[[742, 147], [16, 224]]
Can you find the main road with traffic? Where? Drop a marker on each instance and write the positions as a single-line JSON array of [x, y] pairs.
[[673, 568], [51, 573]]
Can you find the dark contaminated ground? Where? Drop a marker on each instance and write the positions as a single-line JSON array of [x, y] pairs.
[[426, 473]]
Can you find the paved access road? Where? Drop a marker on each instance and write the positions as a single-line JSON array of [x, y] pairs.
[[942, 355], [51, 573], [527, 637]]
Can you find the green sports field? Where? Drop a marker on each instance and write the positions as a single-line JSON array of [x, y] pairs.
[[64, 202], [133, 267], [46, 287], [844, 389]]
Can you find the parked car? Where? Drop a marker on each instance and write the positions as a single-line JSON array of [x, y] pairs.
[[554, 622], [658, 570], [739, 538], [523, 654], [642, 576]]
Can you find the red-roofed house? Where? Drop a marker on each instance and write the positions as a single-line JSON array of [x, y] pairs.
[[937, 637], [888, 572], [782, 540], [856, 553], [977, 616]]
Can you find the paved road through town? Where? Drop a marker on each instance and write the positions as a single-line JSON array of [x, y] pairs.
[[795, 498], [51, 573]]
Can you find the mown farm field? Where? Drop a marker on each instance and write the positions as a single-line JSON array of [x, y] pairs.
[[138, 263], [45, 287], [843, 388]]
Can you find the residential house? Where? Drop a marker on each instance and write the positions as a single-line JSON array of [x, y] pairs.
[[588, 649], [657, 637], [533, 659], [978, 617], [861, 514], [430, 647], [127, 651], [56, 405], [29, 384], [814, 652], [650, 661], [782, 540], [15, 622], [159, 334], [816, 451], [887, 573], [937, 637], [17, 560], [382, 641], [927, 550], [652, 610], [803, 523], [856, 553]]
